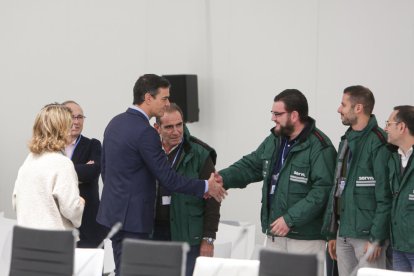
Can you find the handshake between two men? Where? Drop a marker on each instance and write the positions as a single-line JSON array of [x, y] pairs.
[[215, 187]]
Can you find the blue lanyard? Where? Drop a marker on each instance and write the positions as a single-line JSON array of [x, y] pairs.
[[283, 152], [178, 153]]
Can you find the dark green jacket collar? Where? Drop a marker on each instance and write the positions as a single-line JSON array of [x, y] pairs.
[[351, 134], [188, 139]]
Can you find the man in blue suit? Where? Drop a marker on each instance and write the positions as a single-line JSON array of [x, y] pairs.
[[132, 159]]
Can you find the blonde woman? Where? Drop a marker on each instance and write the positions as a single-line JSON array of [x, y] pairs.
[[46, 194]]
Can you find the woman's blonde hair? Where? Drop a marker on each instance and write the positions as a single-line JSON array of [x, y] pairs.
[[51, 129]]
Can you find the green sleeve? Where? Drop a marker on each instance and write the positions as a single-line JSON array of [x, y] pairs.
[[247, 170]]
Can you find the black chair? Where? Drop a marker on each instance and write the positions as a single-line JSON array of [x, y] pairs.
[[42, 252], [274, 263], [153, 258]]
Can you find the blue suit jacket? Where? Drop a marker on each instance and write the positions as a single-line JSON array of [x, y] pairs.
[[132, 159]]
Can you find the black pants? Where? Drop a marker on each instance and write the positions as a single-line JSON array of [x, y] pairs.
[[331, 265]]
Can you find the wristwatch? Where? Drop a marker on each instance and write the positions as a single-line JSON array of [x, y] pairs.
[[209, 240]]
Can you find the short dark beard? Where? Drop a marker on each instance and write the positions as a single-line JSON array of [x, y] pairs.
[[286, 130], [349, 122]]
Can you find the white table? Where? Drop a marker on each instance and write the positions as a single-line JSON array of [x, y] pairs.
[[365, 271], [6, 236], [206, 266], [88, 262]]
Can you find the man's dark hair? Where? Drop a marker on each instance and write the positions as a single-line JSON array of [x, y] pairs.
[[359, 94], [170, 109], [294, 100], [405, 114], [148, 83]]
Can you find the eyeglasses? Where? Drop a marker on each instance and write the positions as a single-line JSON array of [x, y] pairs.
[[79, 117], [388, 123], [277, 114]]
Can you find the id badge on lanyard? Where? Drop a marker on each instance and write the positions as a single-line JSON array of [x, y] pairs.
[[341, 186], [275, 177], [166, 200]]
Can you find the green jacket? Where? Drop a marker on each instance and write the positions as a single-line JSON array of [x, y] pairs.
[[192, 218], [366, 199], [402, 213], [304, 181]]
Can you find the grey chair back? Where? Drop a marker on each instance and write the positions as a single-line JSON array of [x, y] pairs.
[[153, 258], [42, 252], [274, 263]]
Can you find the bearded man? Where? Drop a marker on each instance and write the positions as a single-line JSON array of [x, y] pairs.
[[296, 164]]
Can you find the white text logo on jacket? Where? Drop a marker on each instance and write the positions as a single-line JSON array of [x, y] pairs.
[[365, 181], [298, 177]]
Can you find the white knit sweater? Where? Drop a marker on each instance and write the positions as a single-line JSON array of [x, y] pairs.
[[46, 193]]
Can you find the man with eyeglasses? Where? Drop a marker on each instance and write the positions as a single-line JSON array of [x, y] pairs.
[[85, 154], [296, 164], [400, 130], [356, 221]]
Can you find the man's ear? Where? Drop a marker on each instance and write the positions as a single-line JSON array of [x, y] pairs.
[[359, 108], [402, 127], [147, 97], [294, 116]]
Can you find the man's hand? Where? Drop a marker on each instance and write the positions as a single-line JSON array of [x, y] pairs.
[[218, 177], [90, 162], [215, 189], [374, 251], [279, 227], [82, 200], [206, 250], [332, 249]]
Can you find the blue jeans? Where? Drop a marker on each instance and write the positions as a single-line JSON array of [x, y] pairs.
[[403, 261], [191, 259]]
